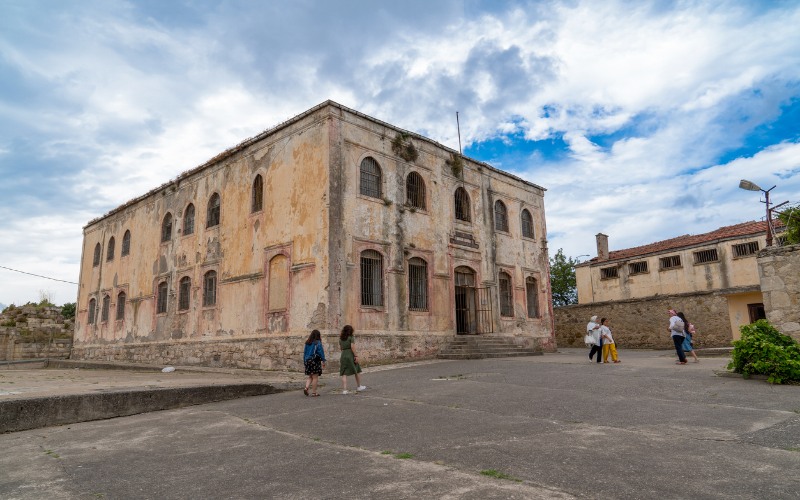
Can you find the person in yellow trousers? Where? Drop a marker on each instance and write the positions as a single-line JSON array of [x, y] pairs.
[[608, 342]]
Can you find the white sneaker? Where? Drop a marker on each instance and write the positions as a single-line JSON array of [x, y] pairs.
[[361, 388], [345, 392]]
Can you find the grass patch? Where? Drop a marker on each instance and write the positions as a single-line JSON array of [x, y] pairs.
[[52, 453], [792, 449], [386, 452], [404, 456], [499, 475]]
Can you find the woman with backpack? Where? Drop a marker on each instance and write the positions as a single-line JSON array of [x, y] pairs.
[[314, 361]]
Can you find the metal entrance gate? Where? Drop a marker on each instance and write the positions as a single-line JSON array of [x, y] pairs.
[[473, 310]]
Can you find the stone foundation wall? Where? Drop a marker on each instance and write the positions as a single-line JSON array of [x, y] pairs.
[[13, 348], [642, 323], [779, 271]]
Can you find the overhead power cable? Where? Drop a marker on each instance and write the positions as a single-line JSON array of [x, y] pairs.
[[38, 275]]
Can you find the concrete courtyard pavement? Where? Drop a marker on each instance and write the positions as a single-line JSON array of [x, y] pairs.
[[552, 426]]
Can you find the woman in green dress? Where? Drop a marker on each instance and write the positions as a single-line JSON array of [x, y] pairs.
[[348, 362]]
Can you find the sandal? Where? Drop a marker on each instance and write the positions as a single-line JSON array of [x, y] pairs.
[[305, 391], [314, 394]]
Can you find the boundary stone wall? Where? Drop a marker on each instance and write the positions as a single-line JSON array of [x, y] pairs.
[[779, 271]]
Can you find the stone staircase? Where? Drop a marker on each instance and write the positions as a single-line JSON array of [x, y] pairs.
[[484, 346]]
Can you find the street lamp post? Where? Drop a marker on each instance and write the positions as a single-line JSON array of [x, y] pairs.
[[751, 186]]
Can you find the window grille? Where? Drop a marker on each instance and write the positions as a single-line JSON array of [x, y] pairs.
[[161, 305], [370, 178], [500, 216], [706, 256], [670, 262], [184, 291], [532, 292], [210, 288], [371, 278], [121, 306], [212, 215], [608, 272], [96, 259], [110, 250], [258, 194], [166, 228], [188, 220], [126, 244], [506, 305], [417, 285], [462, 205], [415, 191], [527, 224], [106, 307], [745, 249], [638, 267], [92, 311]]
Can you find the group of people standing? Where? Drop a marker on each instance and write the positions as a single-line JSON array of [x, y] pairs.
[[314, 361], [599, 336]]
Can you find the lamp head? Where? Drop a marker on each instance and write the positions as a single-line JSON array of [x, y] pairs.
[[743, 184]]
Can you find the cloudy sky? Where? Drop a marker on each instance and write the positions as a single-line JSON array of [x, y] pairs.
[[638, 117]]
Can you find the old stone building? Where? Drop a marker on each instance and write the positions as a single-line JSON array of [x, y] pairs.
[[330, 218]]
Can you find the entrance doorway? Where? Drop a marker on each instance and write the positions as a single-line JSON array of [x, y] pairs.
[[473, 305]]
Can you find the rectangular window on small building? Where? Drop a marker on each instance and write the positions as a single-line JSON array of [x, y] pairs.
[[706, 256], [638, 267], [608, 273], [745, 249], [671, 262]]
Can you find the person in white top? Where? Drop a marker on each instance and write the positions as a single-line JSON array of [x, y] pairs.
[[593, 329], [609, 347], [676, 328]]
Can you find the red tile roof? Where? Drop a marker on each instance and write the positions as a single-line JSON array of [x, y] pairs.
[[753, 228]]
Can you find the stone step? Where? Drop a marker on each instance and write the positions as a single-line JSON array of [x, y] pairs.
[[484, 355], [479, 347]]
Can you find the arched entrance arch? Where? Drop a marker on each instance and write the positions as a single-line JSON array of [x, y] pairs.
[[473, 304]]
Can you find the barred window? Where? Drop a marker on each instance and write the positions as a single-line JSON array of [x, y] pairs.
[[745, 249], [706, 256], [608, 272], [106, 307], [212, 214], [161, 303], [371, 278], [506, 303], [526, 221], [92, 311], [415, 190], [126, 244], [210, 289], [121, 306], [417, 284], [184, 293], [96, 259], [500, 216], [532, 294], [670, 262], [462, 205], [110, 250], [188, 220], [166, 228], [370, 178], [258, 194], [638, 267]]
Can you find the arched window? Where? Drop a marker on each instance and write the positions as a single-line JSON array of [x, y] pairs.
[[106, 307], [188, 220], [258, 194], [415, 191], [462, 205], [212, 214], [96, 259], [500, 216], [184, 293], [417, 284], [532, 294], [121, 306], [161, 304], [526, 221], [126, 244], [370, 178], [166, 228], [278, 281], [506, 302], [92, 311], [210, 289], [110, 250], [371, 278]]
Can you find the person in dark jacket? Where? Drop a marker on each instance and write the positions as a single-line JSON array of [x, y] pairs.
[[314, 361]]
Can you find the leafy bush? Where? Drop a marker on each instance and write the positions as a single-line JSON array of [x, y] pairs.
[[68, 310], [764, 350]]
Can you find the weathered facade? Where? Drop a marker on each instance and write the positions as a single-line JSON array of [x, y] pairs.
[[779, 270], [330, 218]]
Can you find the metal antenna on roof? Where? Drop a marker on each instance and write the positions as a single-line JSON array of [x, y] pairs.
[[458, 126]]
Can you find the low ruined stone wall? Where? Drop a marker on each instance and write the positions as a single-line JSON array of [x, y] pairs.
[[642, 323], [14, 348], [779, 271]]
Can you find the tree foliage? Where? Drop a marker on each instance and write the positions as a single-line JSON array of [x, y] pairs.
[[791, 218], [68, 310], [562, 279]]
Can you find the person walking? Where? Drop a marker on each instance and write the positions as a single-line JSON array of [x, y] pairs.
[[609, 347], [676, 329], [314, 361], [688, 340], [593, 329], [348, 361]]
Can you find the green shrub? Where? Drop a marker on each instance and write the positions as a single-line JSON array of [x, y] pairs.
[[763, 350]]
